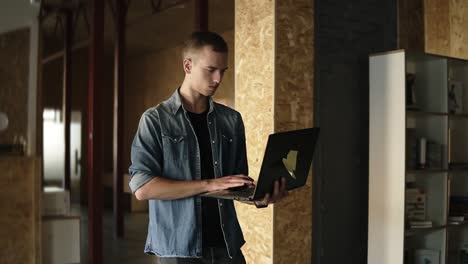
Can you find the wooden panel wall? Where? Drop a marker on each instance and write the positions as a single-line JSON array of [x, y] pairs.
[[437, 27], [434, 26], [459, 28], [411, 25], [274, 90], [255, 75], [294, 62], [14, 76], [20, 206]]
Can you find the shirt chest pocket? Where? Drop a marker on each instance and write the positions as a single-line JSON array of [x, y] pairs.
[[228, 143], [175, 147]]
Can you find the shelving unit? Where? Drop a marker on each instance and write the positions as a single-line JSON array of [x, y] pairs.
[[405, 116]]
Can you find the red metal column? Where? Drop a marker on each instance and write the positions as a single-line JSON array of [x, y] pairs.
[[201, 15], [95, 189], [66, 101], [119, 73]]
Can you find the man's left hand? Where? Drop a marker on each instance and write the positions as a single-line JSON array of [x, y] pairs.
[[279, 192]]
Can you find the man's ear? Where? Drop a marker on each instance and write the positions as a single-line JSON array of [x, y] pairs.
[[187, 66]]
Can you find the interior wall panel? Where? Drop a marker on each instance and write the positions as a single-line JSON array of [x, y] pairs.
[[294, 110], [14, 76]]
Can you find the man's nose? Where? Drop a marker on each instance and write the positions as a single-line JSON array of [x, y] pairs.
[[217, 77]]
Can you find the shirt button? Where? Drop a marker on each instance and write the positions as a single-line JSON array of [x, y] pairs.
[[220, 204], [209, 123], [213, 141], [216, 163]]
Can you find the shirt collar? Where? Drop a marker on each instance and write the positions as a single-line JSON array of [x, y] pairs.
[[175, 103]]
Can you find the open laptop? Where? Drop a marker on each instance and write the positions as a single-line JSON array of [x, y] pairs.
[[287, 154]]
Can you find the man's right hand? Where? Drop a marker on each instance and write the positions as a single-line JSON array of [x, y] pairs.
[[231, 181]]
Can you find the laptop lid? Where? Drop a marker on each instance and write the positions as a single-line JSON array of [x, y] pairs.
[[288, 154]]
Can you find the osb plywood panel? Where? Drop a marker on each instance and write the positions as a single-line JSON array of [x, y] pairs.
[[225, 94], [437, 27], [459, 28], [157, 75], [293, 110], [434, 26], [254, 73], [19, 204], [14, 75], [411, 25]]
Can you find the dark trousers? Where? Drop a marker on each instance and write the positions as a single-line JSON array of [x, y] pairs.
[[210, 256]]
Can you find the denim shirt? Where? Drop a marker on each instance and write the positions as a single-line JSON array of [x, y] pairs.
[[165, 145]]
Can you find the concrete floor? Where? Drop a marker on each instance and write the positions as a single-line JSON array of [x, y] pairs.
[[117, 251]]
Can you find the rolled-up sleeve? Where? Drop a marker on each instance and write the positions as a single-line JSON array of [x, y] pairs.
[[146, 151]]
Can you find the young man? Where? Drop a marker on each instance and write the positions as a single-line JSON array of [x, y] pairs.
[[186, 146]]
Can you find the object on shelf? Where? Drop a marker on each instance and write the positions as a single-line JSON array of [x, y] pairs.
[[426, 256], [459, 206], [455, 220], [434, 152], [455, 97], [420, 224], [410, 92], [411, 149], [464, 254], [458, 165], [415, 204], [422, 153]]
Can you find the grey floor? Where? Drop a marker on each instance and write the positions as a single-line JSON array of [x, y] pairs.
[[117, 251]]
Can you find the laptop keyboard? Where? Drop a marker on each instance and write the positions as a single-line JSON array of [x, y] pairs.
[[244, 192]]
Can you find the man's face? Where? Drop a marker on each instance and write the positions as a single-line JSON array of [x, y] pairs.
[[206, 70]]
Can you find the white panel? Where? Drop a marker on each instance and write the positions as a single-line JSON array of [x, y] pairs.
[[386, 158], [61, 240]]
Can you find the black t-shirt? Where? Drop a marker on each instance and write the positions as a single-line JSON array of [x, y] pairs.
[[211, 227]]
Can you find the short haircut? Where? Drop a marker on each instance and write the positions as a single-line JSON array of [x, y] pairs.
[[199, 39]]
